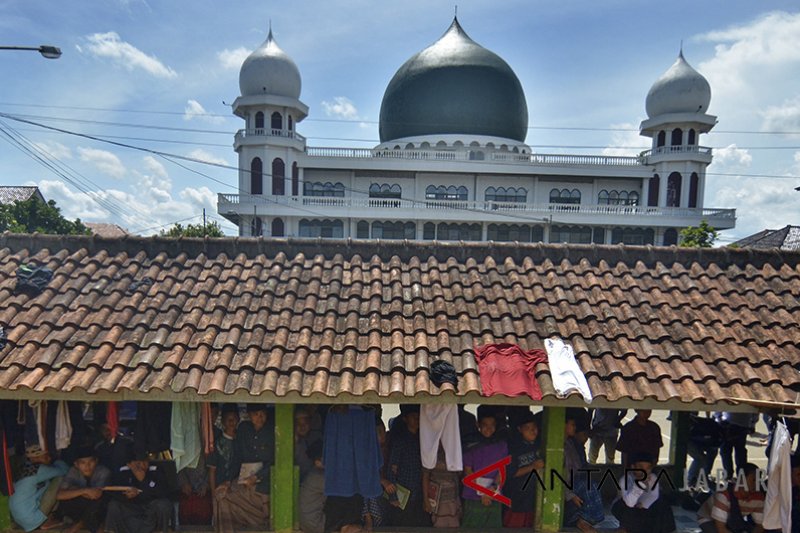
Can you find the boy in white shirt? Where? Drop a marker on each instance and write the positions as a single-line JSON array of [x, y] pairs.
[[640, 508]]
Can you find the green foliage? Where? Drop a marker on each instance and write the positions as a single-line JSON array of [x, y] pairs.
[[28, 216], [211, 229], [702, 236]]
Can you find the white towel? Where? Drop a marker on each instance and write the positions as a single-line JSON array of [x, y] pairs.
[[439, 423], [63, 426], [564, 369]]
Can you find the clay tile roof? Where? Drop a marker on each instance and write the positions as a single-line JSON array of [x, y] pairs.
[[786, 238], [104, 229], [17, 193], [310, 320]]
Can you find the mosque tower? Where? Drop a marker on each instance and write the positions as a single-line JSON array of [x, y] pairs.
[[269, 146], [677, 111]]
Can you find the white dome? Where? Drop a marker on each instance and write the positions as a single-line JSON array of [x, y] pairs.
[[681, 89], [269, 70]]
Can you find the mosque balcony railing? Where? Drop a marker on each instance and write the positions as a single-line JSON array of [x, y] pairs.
[[476, 155], [404, 207], [268, 132], [685, 149]]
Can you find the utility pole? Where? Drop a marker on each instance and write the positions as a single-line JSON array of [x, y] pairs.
[[205, 233]]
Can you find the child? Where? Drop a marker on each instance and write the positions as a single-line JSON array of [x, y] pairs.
[[640, 507], [480, 511], [405, 469], [583, 503], [525, 458], [445, 506], [311, 501]]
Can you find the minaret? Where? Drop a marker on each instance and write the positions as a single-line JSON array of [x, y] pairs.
[[269, 145], [677, 106]]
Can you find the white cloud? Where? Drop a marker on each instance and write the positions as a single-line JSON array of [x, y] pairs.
[[202, 155], [784, 117], [763, 203], [627, 142], [340, 107], [155, 167], [103, 160], [233, 59], [195, 110], [54, 149], [73, 204], [109, 45], [732, 156]]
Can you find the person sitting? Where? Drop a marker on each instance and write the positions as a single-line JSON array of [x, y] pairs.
[[80, 495], [311, 500], [738, 508], [244, 501], [25, 504], [640, 436], [144, 505], [640, 507], [302, 440], [584, 505], [195, 499]]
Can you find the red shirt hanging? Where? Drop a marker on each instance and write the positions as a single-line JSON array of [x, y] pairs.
[[508, 369]]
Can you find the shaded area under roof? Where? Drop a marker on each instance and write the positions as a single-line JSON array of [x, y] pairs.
[[361, 321]]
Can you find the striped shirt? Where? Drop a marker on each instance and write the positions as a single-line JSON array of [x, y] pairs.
[[718, 507]]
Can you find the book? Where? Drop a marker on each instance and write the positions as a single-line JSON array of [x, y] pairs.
[[401, 496], [434, 495], [249, 469]]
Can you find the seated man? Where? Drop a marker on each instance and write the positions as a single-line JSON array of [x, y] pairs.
[[144, 506], [640, 507], [738, 508], [25, 503], [80, 495]]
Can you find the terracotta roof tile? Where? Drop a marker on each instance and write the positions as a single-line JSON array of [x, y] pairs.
[[309, 318]]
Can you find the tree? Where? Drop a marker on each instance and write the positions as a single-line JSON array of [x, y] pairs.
[[702, 236], [211, 229], [28, 216]]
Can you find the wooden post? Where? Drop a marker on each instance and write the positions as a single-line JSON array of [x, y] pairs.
[[5, 514], [679, 443], [552, 498], [282, 497]]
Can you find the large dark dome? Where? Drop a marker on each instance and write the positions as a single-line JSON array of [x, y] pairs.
[[455, 86]]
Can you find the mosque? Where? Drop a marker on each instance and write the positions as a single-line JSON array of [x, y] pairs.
[[452, 163]]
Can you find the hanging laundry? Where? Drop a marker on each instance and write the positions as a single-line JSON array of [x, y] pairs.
[[778, 503], [32, 279], [112, 419], [564, 370], [438, 423], [153, 427], [443, 372], [144, 282], [39, 408], [207, 428], [185, 435], [63, 426], [508, 369], [351, 453]]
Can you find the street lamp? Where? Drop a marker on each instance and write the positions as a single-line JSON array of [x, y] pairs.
[[50, 52]]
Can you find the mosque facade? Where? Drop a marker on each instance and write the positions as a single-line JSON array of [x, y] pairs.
[[452, 163]]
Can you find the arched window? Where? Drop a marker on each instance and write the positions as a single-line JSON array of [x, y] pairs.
[[674, 190], [278, 177], [662, 138], [259, 120], [633, 198], [670, 237], [362, 229], [256, 176], [566, 198], [277, 227], [677, 137], [694, 187], [652, 191], [429, 231], [276, 121], [295, 179], [394, 230], [291, 123], [508, 233], [385, 194], [256, 229], [571, 234], [602, 198], [692, 137], [328, 229], [458, 232], [324, 190], [441, 192], [409, 146], [632, 236], [441, 144], [613, 198]]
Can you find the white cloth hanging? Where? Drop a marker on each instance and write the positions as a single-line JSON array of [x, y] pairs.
[[439, 423], [38, 407], [778, 504], [63, 426], [564, 370]]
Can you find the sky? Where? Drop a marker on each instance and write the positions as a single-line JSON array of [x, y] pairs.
[[161, 76]]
